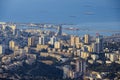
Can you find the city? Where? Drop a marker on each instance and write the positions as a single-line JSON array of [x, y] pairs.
[[39, 54]]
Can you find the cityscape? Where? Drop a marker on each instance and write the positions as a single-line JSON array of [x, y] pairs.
[[42, 54], [59, 39]]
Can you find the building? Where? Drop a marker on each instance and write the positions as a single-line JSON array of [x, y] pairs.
[[2, 49], [75, 70], [30, 41], [80, 65], [77, 65], [53, 40], [94, 47], [20, 51], [112, 56], [39, 46], [67, 71], [83, 66], [99, 43], [77, 40], [17, 32], [26, 49], [84, 48], [13, 27], [86, 39], [59, 33], [16, 47], [84, 55], [94, 56], [12, 44], [87, 48], [57, 45], [42, 40], [74, 40], [3, 27]]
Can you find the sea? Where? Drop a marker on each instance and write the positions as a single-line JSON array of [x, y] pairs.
[[90, 16]]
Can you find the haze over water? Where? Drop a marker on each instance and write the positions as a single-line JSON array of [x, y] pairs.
[[86, 14]]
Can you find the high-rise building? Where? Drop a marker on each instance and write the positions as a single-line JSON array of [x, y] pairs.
[[52, 40], [2, 49], [59, 33], [83, 66], [77, 40], [74, 40], [3, 27], [99, 43], [94, 47], [80, 66], [30, 41], [17, 32], [86, 39], [12, 44], [13, 27], [42, 40]]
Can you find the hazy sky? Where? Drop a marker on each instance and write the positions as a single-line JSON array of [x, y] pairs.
[[60, 11]]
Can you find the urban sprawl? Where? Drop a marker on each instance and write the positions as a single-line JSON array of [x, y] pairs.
[[38, 54]]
